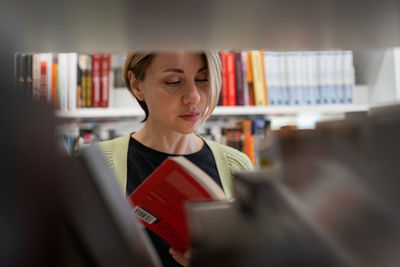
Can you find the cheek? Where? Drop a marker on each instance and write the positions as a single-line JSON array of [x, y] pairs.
[[205, 95]]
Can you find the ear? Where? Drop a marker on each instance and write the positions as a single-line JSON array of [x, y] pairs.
[[135, 85]]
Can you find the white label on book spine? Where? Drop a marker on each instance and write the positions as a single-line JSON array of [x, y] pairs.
[[144, 215]]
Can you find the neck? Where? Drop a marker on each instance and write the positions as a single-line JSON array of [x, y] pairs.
[[169, 142]]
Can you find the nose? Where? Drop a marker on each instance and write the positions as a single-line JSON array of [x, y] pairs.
[[191, 95]]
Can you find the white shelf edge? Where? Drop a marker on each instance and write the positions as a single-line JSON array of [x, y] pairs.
[[100, 113], [288, 110], [88, 113]]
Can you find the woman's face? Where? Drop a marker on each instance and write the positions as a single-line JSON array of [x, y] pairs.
[[176, 90]]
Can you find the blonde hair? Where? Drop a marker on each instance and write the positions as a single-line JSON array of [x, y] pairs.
[[138, 62]]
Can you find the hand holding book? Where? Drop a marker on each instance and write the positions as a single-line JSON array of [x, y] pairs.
[[159, 202]]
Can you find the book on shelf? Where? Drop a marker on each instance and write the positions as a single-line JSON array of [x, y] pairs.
[[257, 59], [224, 77], [105, 79], [159, 202], [65, 79], [96, 80], [249, 78], [240, 91]]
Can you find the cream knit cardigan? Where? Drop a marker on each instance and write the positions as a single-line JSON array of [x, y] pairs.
[[227, 159]]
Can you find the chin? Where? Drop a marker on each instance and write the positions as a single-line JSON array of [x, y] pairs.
[[187, 130]]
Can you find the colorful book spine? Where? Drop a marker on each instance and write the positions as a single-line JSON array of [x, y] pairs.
[[96, 80], [248, 140], [246, 95], [240, 97], [79, 84], [250, 83], [105, 80], [54, 82], [89, 83], [43, 81], [231, 78], [47, 58], [224, 89], [258, 78], [264, 79], [83, 70]]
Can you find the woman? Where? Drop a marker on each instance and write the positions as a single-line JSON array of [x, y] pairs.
[[178, 92]]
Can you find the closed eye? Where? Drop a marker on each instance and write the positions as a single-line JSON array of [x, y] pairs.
[[172, 83], [201, 80]]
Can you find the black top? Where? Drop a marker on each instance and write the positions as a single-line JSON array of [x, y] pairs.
[[142, 161]]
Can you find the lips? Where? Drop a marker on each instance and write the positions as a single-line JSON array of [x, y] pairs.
[[192, 116]]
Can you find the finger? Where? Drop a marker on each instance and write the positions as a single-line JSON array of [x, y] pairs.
[[186, 255], [179, 260]]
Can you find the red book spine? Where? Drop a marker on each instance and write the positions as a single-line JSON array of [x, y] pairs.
[[43, 80], [231, 78], [224, 89], [96, 84], [105, 80]]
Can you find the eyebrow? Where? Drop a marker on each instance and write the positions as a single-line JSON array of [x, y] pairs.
[[181, 71]]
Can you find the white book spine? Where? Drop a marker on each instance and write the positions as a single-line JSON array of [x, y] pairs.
[[349, 76], [313, 79], [331, 77], [304, 93], [275, 78], [63, 81], [269, 78], [291, 78], [72, 80], [283, 78], [296, 84], [324, 79], [307, 79], [339, 85]]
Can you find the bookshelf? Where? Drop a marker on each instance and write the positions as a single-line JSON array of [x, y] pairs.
[[120, 113], [124, 106]]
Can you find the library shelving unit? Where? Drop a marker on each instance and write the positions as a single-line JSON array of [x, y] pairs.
[[115, 113], [131, 109]]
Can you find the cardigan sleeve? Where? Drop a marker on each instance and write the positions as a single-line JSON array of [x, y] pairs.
[[115, 151], [108, 148], [237, 161]]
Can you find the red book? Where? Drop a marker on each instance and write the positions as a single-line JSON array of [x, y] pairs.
[[224, 88], [240, 97], [231, 78], [96, 84], [105, 80], [159, 202], [43, 80]]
